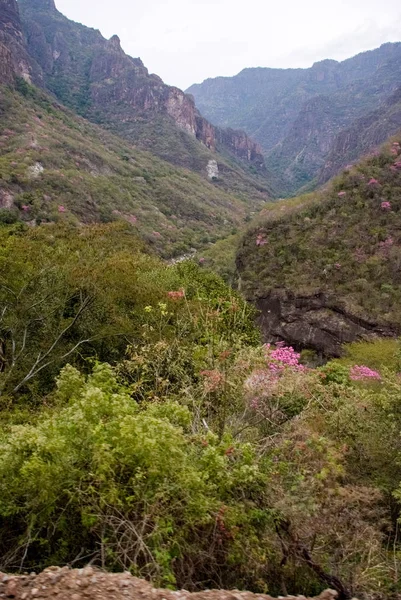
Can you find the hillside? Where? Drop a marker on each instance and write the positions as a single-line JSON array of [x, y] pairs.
[[297, 114], [146, 432], [56, 166], [325, 269], [95, 78]]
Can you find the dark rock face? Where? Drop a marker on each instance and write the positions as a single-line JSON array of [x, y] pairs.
[[297, 114], [14, 59], [315, 322], [96, 78]]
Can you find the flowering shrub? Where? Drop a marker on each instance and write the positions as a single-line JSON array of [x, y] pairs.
[[282, 357], [361, 372], [213, 380], [176, 295], [386, 205]]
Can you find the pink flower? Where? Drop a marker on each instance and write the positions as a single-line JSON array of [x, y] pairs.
[[261, 240], [385, 205], [202, 260], [342, 194], [360, 372], [337, 266], [26, 208], [373, 181], [62, 209], [157, 234], [176, 295], [397, 164], [387, 243], [281, 357]]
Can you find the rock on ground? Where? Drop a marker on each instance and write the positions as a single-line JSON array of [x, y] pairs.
[[90, 584]]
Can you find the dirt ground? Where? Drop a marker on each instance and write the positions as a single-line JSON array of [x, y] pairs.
[[90, 584]]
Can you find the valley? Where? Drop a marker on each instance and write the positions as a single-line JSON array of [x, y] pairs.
[[199, 324]]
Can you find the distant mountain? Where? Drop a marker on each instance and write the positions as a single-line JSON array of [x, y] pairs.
[[325, 269], [297, 114], [366, 133], [94, 77]]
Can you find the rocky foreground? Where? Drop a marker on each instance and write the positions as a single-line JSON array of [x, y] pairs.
[[80, 584]]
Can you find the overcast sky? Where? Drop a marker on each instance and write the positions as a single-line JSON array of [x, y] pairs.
[[187, 41]]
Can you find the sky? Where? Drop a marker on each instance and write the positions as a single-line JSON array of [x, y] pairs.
[[188, 41]]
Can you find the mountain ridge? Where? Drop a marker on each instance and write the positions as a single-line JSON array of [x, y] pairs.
[[97, 79], [272, 104]]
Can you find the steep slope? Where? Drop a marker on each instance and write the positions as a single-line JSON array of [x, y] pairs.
[[325, 269], [364, 135], [296, 114], [94, 77], [54, 165]]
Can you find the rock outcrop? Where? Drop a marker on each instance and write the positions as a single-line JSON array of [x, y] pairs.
[[14, 59], [241, 145], [93, 584], [315, 321]]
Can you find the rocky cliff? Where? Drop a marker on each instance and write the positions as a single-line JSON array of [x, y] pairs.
[[325, 269], [14, 59], [97, 79], [296, 114]]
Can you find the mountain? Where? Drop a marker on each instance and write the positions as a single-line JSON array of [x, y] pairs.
[[56, 165], [325, 269], [95, 78], [366, 133], [297, 114]]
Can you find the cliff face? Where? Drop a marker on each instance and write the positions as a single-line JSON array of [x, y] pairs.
[[96, 78], [317, 321], [14, 59], [297, 114], [240, 145]]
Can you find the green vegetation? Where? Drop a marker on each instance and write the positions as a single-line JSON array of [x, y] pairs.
[[144, 428], [343, 241], [55, 166]]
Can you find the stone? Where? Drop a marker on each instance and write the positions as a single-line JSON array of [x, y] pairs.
[[212, 169], [11, 588]]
